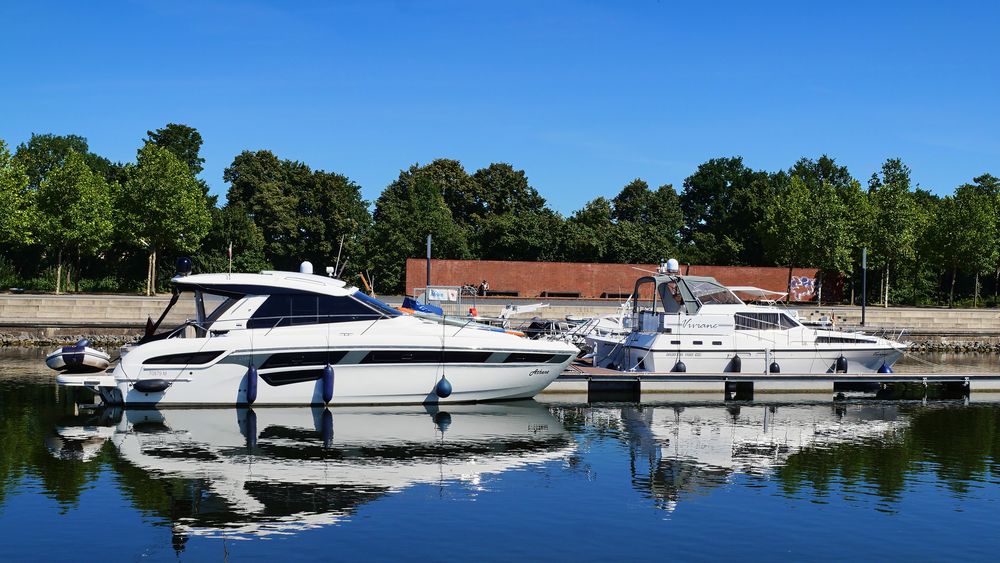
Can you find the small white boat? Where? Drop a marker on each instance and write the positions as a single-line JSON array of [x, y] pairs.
[[78, 358]]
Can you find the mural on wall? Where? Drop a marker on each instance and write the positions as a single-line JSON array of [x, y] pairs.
[[802, 288]]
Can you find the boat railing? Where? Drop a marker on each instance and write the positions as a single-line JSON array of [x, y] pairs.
[[893, 333], [278, 321]]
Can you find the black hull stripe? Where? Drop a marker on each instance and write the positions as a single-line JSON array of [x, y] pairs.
[[284, 360]]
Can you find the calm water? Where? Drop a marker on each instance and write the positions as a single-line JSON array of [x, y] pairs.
[[689, 479]]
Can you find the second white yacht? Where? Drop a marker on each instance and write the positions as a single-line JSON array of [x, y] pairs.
[[695, 324]]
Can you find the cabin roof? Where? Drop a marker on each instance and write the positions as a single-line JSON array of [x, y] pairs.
[[268, 282]]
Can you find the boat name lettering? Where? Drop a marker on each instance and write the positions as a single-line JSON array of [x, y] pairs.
[[689, 323], [539, 372]]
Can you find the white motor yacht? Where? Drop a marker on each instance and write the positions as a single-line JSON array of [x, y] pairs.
[[293, 338], [695, 324]]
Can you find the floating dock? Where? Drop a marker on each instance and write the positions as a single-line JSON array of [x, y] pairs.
[[581, 378]]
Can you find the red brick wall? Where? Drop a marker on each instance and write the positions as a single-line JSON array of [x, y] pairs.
[[530, 279]]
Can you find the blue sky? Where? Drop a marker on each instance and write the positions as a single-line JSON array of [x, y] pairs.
[[584, 96]]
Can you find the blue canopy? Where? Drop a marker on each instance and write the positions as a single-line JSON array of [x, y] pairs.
[[411, 303]]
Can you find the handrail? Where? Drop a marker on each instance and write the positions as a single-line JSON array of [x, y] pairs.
[[280, 321]]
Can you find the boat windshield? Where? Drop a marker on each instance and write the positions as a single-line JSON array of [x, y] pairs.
[[376, 304], [211, 306], [709, 293]]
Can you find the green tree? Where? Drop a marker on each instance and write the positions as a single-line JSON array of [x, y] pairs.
[[894, 229], [859, 219], [989, 184], [464, 196], [261, 183], [409, 209], [74, 210], [589, 232], [808, 221], [301, 213], [533, 236], [16, 201], [505, 190], [183, 141], [42, 153], [973, 226], [924, 271], [332, 211], [232, 225], [509, 220], [165, 206], [723, 202], [787, 229], [647, 224]]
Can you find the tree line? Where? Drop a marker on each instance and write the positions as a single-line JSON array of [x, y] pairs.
[[72, 219]]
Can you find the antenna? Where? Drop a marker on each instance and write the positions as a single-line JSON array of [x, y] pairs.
[[337, 264]]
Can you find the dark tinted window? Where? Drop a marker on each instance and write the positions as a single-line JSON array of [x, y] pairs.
[[285, 310], [289, 377], [519, 357], [295, 359], [424, 357], [184, 359]]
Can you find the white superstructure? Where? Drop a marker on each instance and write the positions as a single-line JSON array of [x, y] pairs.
[[695, 324], [283, 338]]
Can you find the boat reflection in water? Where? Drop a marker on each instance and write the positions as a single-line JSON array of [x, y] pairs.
[[686, 449], [283, 470]]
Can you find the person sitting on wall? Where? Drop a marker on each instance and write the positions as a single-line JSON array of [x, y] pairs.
[[484, 287]]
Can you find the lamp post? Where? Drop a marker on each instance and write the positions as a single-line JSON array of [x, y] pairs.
[[864, 283], [428, 267]]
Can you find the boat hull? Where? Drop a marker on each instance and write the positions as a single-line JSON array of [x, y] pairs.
[[227, 384], [819, 359]]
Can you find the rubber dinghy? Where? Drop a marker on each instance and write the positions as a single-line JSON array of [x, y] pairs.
[[78, 358]]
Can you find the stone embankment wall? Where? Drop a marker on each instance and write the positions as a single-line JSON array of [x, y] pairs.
[[104, 319], [48, 319]]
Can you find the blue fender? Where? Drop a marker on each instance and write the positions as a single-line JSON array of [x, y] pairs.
[[327, 383], [251, 384]]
